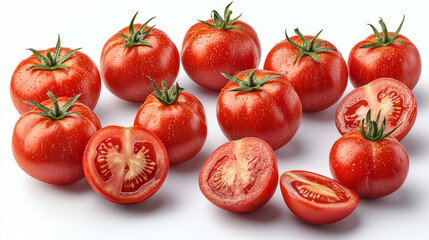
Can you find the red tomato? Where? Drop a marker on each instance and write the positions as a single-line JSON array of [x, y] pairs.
[[49, 147], [125, 165], [240, 176], [219, 46], [315, 198], [133, 55], [60, 73], [177, 118], [318, 74], [373, 166], [269, 110], [395, 101], [376, 57]]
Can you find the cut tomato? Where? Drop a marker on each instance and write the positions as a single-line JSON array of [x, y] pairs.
[[393, 99], [125, 165], [240, 176], [315, 198]]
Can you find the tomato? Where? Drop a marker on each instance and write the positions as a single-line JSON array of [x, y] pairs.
[[259, 103], [395, 101], [318, 74], [380, 56], [315, 198], [125, 165], [370, 162], [240, 176], [219, 46], [133, 55], [177, 118], [62, 71], [48, 142]]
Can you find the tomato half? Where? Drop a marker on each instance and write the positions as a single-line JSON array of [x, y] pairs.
[[125, 165], [315, 198], [393, 98], [240, 176]]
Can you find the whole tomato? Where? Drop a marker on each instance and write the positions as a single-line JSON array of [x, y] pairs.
[[259, 103], [370, 162], [318, 74], [62, 71], [135, 54], [219, 46], [385, 54], [177, 118], [48, 142]]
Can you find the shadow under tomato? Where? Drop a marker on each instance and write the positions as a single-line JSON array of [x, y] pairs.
[[116, 109], [291, 149], [264, 215], [192, 165], [326, 115], [403, 198], [421, 95], [416, 145], [152, 204], [344, 226], [76, 187]]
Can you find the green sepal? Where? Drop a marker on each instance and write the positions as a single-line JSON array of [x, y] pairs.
[[373, 131], [136, 38], [166, 96], [223, 23], [250, 84], [385, 39], [57, 112]]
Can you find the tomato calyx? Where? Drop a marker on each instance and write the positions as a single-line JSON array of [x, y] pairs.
[[166, 96], [308, 48], [52, 62], [136, 38], [373, 132], [57, 112], [223, 23], [384, 40], [250, 84]]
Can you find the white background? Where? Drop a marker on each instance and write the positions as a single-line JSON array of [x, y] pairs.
[[31, 209]]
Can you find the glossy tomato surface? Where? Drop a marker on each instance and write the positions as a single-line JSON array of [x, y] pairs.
[[82, 76], [126, 70], [393, 99], [315, 198], [207, 52], [393, 61], [318, 85], [51, 150], [125, 165], [372, 168], [240, 176], [181, 126], [272, 113]]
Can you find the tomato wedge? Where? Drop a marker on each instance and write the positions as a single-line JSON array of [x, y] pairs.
[[315, 198], [240, 176], [393, 99], [125, 165]]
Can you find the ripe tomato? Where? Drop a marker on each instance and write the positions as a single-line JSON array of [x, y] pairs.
[[315, 198], [48, 142], [219, 46], [177, 118], [395, 101], [371, 163], [125, 165], [240, 176], [380, 56], [318, 74], [266, 106], [63, 71], [133, 55]]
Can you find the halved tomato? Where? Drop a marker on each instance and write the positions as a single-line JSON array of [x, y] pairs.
[[393, 99], [315, 198], [240, 176], [125, 165]]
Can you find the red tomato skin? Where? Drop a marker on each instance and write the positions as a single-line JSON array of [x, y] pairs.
[[364, 93], [272, 114], [317, 213], [394, 61], [318, 86], [208, 52], [125, 70], [127, 135], [82, 76], [262, 193], [181, 126], [372, 168], [51, 151]]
